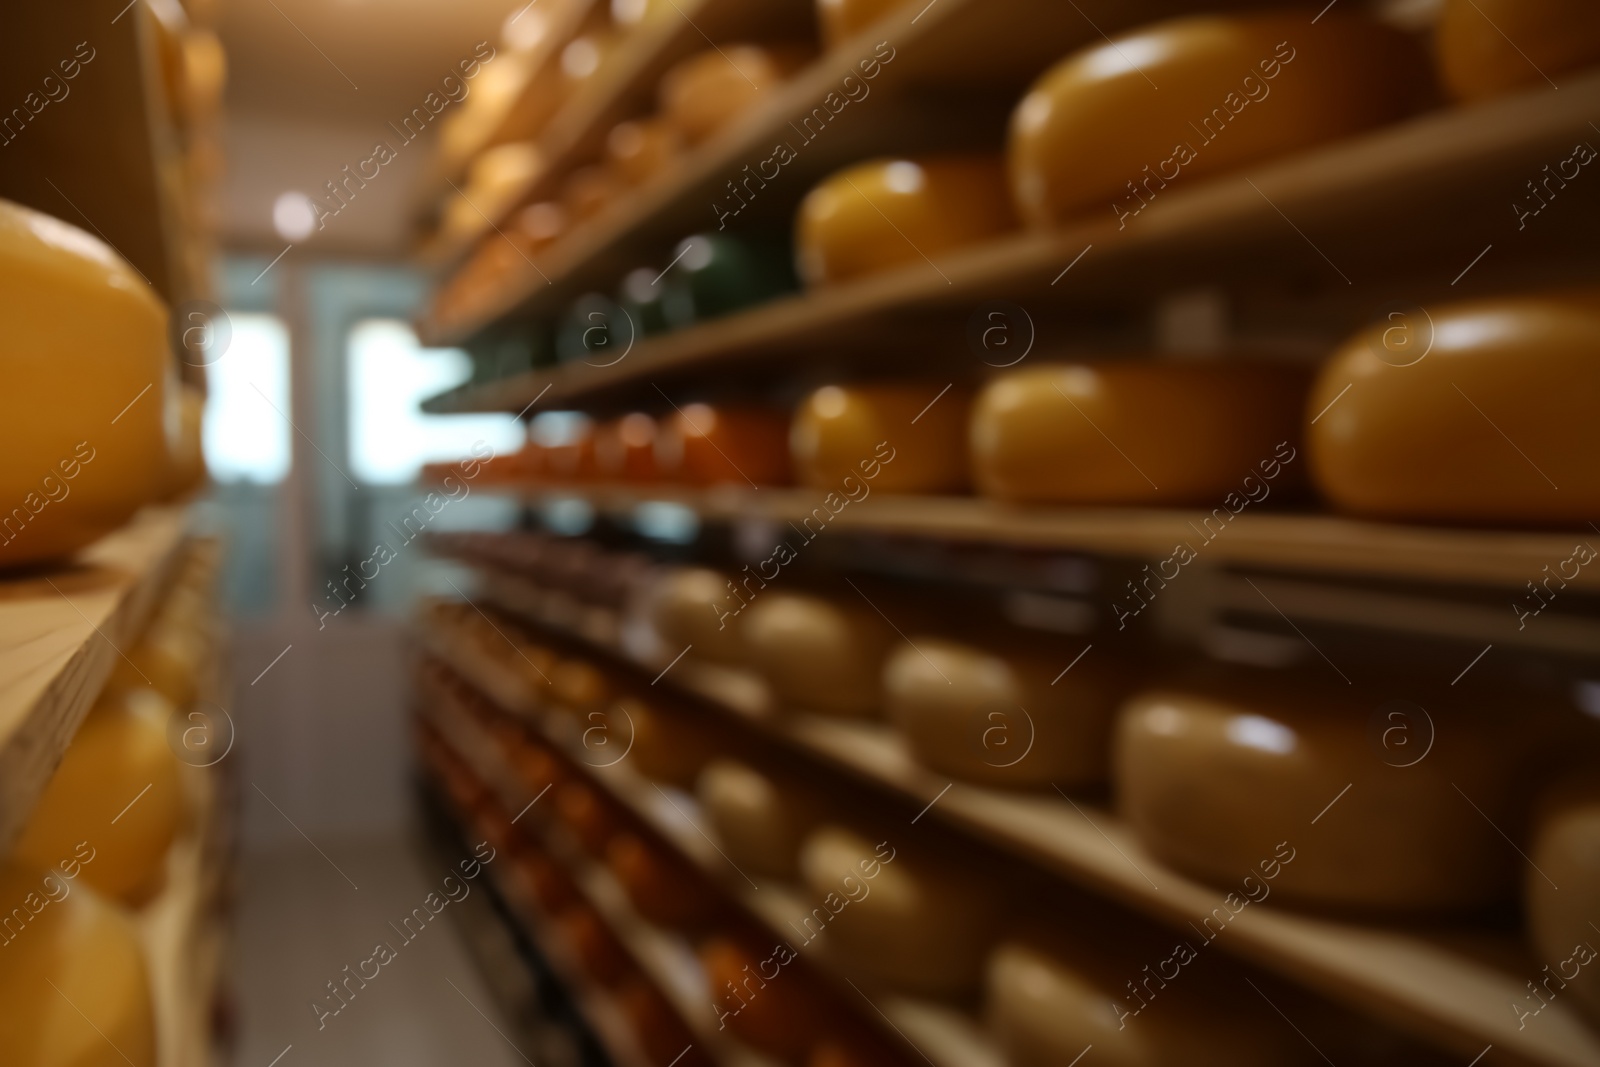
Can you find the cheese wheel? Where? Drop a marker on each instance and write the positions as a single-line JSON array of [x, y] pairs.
[[708, 91], [545, 881], [1003, 717], [663, 888], [73, 985], [537, 226], [1482, 427], [598, 951], [165, 659], [119, 766], [890, 213], [658, 1029], [713, 275], [691, 610], [1139, 432], [1044, 1009], [587, 814], [1223, 786], [1565, 850], [588, 190], [625, 449], [759, 822], [585, 55], [670, 748], [186, 465], [704, 445], [1488, 47], [1094, 134], [642, 150], [843, 19], [83, 415], [889, 438], [578, 685], [816, 654], [917, 923], [763, 997]]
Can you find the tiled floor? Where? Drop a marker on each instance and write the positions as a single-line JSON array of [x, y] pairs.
[[302, 917]]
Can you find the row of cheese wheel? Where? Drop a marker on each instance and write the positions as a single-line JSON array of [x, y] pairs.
[[919, 919], [1091, 134], [1209, 767], [1473, 412], [93, 421], [95, 848]]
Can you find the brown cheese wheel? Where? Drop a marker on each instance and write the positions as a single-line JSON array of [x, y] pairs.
[[859, 439], [760, 822], [1226, 786], [763, 997], [667, 746], [1473, 412], [816, 654], [1140, 432], [744, 446], [598, 951], [1489, 47], [660, 1032], [663, 888], [1096, 136], [1004, 717], [587, 814]]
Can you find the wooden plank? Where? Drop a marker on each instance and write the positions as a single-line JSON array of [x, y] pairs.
[[60, 631], [1450, 987]]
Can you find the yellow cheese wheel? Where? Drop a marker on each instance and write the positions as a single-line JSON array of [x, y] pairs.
[[1565, 854], [84, 411], [1223, 783], [897, 212], [641, 150], [119, 766], [186, 466], [73, 986], [1046, 1007], [886, 438], [1489, 47], [1477, 417], [816, 654], [922, 924], [693, 609], [1140, 432], [167, 659], [1003, 717], [708, 91], [1119, 125], [843, 19], [759, 821]]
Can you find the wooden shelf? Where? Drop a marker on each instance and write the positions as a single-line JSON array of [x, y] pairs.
[[1417, 200], [61, 630], [1450, 987]]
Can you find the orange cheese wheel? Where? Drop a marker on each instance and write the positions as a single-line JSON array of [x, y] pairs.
[[1476, 417], [843, 19], [922, 924], [891, 213], [587, 814], [708, 91], [1120, 125], [656, 1026], [1003, 717], [704, 445], [816, 654], [119, 766], [578, 685], [544, 880], [1226, 786], [625, 449], [1140, 432], [763, 997], [73, 984], [642, 150], [889, 438], [1489, 47], [663, 888], [1566, 851], [598, 951], [84, 414], [760, 821]]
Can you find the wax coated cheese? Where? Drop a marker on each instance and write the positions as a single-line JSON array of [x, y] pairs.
[[1489, 47], [760, 821], [885, 438], [1224, 782], [667, 747], [1003, 716], [706, 92], [73, 984], [186, 463], [1123, 124], [892, 213], [1474, 412], [661, 1034], [1140, 431], [87, 371], [763, 997], [587, 814], [705, 445], [598, 951], [118, 766], [1565, 853], [817, 654], [921, 924]]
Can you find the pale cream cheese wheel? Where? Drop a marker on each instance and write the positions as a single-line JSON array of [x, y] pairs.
[[817, 654], [693, 608], [759, 820]]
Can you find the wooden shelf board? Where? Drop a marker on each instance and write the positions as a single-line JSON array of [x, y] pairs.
[[1451, 987], [60, 630]]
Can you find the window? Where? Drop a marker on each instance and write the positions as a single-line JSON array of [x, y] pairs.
[[390, 375], [246, 428]]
